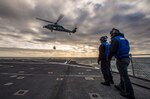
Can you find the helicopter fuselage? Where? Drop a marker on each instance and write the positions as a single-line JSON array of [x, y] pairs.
[[57, 27]]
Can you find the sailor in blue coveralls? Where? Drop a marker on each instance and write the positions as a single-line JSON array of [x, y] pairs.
[[120, 49], [105, 65]]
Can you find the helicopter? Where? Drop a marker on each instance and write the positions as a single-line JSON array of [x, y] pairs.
[[54, 26]]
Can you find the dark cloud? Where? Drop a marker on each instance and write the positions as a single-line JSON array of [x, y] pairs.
[[97, 7], [125, 7], [8, 10], [130, 18], [82, 16]]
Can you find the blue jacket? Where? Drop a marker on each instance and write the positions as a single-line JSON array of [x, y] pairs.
[[103, 51], [123, 47], [106, 52]]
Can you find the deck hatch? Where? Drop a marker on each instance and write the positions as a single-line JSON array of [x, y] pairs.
[[21, 92], [95, 96]]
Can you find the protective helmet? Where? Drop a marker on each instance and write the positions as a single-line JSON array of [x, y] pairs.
[[116, 31], [103, 38]]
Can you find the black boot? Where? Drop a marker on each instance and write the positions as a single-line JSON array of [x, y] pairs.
[[105, 83], [118, 87], [112, 82], [129, 96]]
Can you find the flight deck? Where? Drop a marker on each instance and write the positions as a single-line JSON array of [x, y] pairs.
[[58, 80]]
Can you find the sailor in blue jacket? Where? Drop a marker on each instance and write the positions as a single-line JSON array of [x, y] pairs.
[[120, 49], [105, 66]]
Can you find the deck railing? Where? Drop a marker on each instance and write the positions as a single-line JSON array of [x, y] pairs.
[[139, 66]]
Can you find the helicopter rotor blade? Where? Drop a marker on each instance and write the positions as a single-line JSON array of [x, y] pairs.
[[44, 20], [59, 18]]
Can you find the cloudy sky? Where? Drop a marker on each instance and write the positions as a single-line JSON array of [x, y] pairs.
[[22, 35]]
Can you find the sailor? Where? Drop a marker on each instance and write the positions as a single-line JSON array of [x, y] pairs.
[[120, 49], [105, 66]]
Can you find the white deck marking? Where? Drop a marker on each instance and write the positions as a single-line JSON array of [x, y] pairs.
[[66, 62], [21, 92], [95, 96], [8, 84], [13, 76], [31, 68], [88, 70], [11, 66], [80, 73], [89, 78], [59, 79], [20, 77], [50, 72], [21, 72], [96, 68]]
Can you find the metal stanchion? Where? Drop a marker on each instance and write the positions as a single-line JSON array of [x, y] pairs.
[[132, 65]]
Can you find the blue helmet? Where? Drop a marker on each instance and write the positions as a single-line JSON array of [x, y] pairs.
[[103, 38]]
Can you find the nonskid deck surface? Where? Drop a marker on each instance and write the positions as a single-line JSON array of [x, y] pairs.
[[52, 80]]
